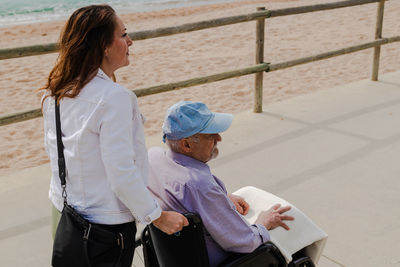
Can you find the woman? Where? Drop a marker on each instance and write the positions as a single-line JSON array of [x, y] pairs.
[[102, 131]]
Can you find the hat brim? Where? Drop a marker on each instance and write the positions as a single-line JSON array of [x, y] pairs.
[[219, 123]]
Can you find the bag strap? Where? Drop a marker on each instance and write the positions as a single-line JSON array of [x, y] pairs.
[[60, 150]]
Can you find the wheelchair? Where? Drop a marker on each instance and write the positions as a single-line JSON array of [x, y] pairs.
[[187, 248]]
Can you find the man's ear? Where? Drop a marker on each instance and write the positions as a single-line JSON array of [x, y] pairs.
[[184, 145]]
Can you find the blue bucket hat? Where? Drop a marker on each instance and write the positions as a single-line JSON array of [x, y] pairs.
[[187, 118]]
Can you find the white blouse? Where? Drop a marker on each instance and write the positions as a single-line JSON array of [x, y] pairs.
[[105, 154]]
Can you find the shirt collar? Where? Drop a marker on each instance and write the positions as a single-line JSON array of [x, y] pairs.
[[101, 74], [187, 161]]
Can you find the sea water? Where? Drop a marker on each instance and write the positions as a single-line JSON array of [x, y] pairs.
[[15, 12]]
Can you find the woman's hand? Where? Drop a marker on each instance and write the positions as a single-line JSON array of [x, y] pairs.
[[170, 222]]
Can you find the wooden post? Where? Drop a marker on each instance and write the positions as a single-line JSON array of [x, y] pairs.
[[378, 35], [258, 82]]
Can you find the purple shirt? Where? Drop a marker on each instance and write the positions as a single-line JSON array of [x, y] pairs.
[[184, 184]]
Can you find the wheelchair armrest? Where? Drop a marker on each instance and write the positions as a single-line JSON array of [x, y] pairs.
[[302, 262], [267, 253]]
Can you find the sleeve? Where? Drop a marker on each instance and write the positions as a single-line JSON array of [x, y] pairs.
[[225, 225], [118, 153]]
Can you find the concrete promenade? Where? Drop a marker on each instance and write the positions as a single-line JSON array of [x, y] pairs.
[[334, 154]]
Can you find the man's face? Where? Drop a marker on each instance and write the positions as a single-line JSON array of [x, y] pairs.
[[204, 146]]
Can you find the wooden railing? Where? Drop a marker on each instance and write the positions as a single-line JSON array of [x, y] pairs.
[[257, 69]]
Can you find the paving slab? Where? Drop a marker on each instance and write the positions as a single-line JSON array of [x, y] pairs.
[[25, 238], [332, 153]]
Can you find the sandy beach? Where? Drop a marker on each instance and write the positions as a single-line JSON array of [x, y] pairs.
[[179, 57]]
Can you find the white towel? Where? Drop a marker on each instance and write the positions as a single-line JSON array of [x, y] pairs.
[[303, 233]]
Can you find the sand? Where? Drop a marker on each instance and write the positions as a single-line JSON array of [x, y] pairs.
[[179, 57]]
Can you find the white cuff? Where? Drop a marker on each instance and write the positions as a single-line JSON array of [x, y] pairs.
[[152, 216]]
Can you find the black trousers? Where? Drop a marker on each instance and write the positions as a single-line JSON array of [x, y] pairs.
[[128, 230]]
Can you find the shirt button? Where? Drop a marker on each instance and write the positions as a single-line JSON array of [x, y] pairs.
[[147, 219]]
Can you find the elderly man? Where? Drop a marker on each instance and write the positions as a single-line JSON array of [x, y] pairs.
[[182, 181]]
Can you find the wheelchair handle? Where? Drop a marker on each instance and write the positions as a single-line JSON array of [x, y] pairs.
[[193, 218]]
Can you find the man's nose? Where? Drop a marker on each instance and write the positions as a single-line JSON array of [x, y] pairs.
[[217, 138]]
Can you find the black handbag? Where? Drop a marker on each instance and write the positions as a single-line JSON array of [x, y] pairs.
[[77, 241]]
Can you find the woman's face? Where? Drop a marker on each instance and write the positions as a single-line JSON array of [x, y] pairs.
[[117, 54]]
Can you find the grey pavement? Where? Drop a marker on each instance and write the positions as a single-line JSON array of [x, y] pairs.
[[332, 153]]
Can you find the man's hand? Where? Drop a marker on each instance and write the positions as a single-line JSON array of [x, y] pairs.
[[170, 222], [273, 217], [241, 205]]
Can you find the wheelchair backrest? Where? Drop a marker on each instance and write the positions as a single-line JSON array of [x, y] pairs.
[[185, 248]]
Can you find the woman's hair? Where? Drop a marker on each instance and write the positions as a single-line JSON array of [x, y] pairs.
[[82, 43]]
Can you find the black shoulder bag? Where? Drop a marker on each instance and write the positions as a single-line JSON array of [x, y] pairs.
[[78, 242]]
